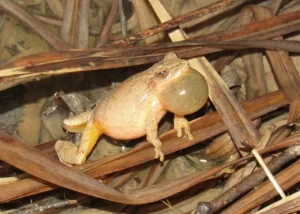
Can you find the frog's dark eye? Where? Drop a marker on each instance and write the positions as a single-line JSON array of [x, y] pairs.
[[162, 72]]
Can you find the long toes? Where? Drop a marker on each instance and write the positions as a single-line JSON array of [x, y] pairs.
[[157, 152], [188, 133], [58, 145], [190, 136], [66, 151], [156, 155], [179, 132], [159, 155], [162, 157]]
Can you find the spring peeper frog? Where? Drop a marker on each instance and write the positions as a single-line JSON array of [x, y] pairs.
[[135, 108]]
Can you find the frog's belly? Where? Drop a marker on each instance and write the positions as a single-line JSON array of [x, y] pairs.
[[121, 125], [125, 128]]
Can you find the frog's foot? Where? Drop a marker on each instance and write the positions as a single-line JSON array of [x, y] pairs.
[[67, 152], [180, 123], [157, 147], [158, 154], [77, 123]]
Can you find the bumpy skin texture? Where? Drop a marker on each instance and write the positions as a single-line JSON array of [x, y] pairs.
[[135, 108]]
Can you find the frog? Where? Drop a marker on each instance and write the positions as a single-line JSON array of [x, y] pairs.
[[135, 108]]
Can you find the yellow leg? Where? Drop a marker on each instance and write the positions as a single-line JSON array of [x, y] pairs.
[[69, 153]]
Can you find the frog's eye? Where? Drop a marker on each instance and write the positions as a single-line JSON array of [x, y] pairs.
[[162, 72]]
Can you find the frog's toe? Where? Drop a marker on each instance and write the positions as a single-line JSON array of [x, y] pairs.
[[188, 132], [162, 157], [181, 123], [66, 151], [159, 155], [179, 132]]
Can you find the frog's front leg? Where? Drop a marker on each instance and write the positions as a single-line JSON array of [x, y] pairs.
[[181, 123], [152, 121], [70, 153]]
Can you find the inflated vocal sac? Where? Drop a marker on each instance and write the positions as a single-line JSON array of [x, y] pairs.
[[186, 94]]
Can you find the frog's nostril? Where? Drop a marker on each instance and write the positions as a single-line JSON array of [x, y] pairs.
[[152, 83]]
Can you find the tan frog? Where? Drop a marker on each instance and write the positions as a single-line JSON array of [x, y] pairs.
[[135, 108]]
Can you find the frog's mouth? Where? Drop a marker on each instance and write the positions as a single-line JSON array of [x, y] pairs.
[[186, 94]]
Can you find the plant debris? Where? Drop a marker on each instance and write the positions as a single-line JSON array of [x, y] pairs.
[[59, 58]]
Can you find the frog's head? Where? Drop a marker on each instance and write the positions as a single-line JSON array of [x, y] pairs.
[[179, 88]]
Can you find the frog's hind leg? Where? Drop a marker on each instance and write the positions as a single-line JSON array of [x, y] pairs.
[[77, 123], [70, 153]]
